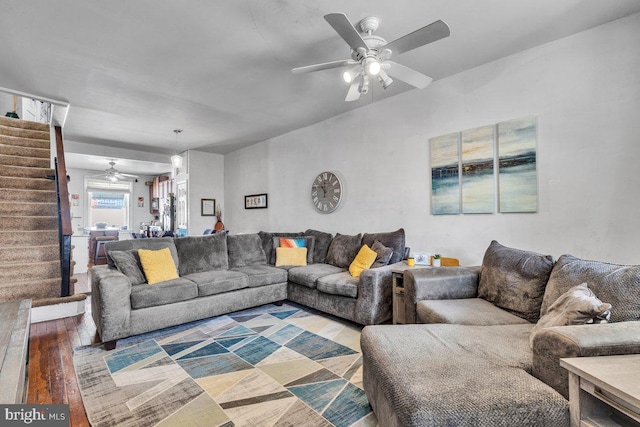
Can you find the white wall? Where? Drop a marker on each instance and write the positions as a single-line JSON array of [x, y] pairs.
[[585, 92], [205, 181]]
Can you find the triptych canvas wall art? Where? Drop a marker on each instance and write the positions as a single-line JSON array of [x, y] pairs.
[[463, 169]]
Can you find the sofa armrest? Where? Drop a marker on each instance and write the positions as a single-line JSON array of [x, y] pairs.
[[110, 302], [438, 283], [373, 305], [552, 344]]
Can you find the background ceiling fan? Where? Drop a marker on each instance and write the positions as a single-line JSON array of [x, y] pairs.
[[371, 54], [113, 175]]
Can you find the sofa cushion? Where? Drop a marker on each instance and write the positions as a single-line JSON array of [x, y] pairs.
[[514, 279], [343, 250], [618, 285], [394, 240], [245, 250], [321, 244], [468, 311], [128, 263], [202, 253], [456, 375], [363, 260], [168, 292], [291, 257], [266, 240], [383, 254], [261, 275], [218, 281], [158, 266], [343, 284], [307, 276], [290, 242], [135, 244]]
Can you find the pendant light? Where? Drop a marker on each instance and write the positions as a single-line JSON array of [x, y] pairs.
[[176, 159]]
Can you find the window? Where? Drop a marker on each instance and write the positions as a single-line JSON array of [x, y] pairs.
[[109, 202]]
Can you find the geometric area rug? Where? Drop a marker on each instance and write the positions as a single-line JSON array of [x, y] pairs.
[[270, 366]]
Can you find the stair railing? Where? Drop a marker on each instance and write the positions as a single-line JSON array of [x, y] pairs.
[[64, 215]]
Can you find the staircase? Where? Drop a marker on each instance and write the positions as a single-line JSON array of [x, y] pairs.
[[29, 242]]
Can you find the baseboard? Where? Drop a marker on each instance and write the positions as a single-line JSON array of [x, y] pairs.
[[57, 311]]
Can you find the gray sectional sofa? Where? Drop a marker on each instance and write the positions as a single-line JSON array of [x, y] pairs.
[[479, 359], [222, 273]]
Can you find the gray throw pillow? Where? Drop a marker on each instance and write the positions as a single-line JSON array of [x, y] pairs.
[[394, 240], [343, 250], [514, 280], [384, 254], [245, 250], [321, 244], [615, 283], [578, 306], [309, 242], [128, 263], [202, 253]]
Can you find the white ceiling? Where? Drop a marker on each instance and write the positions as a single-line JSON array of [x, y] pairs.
[[135, 70]]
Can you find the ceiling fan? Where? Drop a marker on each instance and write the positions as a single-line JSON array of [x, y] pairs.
[[113, 175], [371, 54]]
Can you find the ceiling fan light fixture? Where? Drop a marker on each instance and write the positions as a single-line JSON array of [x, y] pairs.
[[372, 66], [351, 74], [384, 79], [364, 86]]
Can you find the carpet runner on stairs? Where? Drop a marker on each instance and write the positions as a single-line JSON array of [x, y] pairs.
[[29, 247]]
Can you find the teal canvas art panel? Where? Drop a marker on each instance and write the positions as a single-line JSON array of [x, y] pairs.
[[478, 174], [518, 181], [445, 176]]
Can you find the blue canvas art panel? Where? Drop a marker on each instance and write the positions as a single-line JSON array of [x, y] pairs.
[[518, 181], [478, 175], [445, 175]]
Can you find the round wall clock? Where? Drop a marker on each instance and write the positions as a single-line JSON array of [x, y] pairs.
[[326, 192]]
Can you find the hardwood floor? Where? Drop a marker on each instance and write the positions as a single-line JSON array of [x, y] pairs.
[[52, 378]]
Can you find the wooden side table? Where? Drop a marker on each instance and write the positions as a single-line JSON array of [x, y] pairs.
[[399, 303], [604, 390]]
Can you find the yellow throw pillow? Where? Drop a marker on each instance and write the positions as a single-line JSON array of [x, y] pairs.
[[158, 266], [364, 260], [291, 256]]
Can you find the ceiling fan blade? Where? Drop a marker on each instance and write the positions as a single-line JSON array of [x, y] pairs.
[[323, 66], [425, 35], [346, 30], [121, 175], [408, 75], [354, 93]]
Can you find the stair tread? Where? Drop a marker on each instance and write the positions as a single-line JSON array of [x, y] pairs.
[[23, 124]]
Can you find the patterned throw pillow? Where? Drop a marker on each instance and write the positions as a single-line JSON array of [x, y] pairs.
[[288, 242], [294, 242]]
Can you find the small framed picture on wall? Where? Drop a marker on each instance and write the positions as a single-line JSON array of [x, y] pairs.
[[207, 207], [255, 201]]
